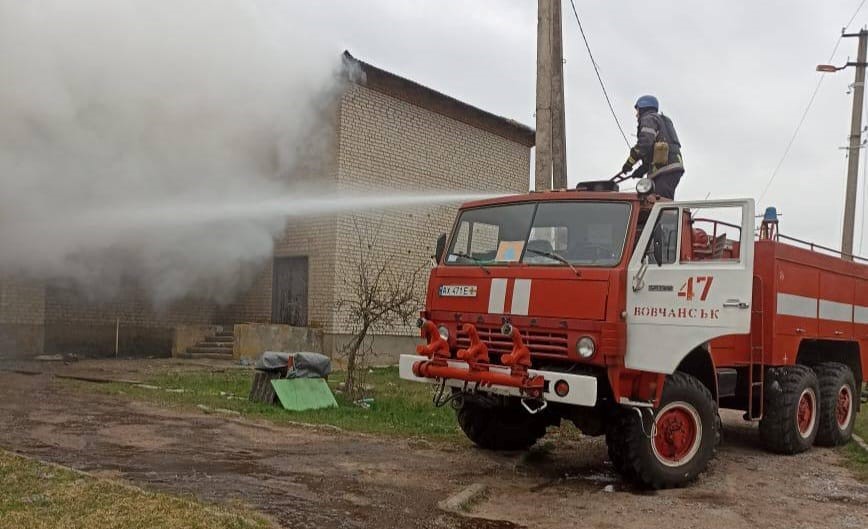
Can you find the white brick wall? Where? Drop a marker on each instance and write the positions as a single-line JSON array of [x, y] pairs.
[[22, 302], [386, 143]]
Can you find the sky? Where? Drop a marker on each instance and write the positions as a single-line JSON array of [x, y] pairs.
[[115, 111], [734, 76]]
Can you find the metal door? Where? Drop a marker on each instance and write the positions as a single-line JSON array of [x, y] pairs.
[[680, 304], [289, 291]]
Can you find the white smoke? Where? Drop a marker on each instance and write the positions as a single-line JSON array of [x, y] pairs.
[[123, 104]]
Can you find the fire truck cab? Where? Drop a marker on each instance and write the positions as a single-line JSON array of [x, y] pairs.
[[636, 318]]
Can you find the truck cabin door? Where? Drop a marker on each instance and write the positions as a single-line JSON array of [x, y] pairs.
[[690, 280]]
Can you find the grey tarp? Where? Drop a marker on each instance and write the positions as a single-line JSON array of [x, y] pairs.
[[272, 361], [310, 365], [305, 365]]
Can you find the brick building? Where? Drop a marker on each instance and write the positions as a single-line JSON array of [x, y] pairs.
[[390, 133]]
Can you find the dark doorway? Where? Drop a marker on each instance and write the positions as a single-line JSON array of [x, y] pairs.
[[289, 291]]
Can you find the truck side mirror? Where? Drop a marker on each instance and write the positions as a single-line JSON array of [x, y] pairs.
[[440, 248], [657, 248]]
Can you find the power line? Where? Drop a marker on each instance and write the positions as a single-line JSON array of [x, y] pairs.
[[808, 107], [597, 71], [854, 16], [792, 138]]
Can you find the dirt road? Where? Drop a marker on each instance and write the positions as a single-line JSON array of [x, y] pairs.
[[304, 477]]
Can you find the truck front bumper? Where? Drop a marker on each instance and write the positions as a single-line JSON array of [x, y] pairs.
[[581, 390]]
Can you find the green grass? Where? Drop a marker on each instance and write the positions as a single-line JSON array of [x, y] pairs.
[[399, 407], [857, 455], [35, 495]]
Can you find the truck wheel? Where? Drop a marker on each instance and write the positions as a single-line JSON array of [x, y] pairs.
[[791, 418], [618, 424], [837, 404], [681, 441], [506, 427]]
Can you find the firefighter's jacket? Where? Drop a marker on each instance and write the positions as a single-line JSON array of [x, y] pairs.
[[656, 132]]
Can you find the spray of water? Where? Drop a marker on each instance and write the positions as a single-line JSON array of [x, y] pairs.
[[162, 145], [112, 222]]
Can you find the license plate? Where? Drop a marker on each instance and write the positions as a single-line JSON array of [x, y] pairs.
[[458, 291]]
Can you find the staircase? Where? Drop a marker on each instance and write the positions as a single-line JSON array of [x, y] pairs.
[[216, 347]]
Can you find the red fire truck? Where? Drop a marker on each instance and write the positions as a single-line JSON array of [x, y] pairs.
[[637, 318]]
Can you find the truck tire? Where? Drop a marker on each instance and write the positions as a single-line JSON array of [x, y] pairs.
[[837, 404], [682, 438], [791, 410], [617, 425], [506, 427]]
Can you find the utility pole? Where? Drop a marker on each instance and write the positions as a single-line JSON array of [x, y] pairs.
[[855, 146], [543, 162], [550, 168], [559, 134]]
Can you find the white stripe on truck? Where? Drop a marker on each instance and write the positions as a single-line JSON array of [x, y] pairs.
[[497, 297], [800, 306], [520, 297], [832, 310], [824, 309], [860, 315]]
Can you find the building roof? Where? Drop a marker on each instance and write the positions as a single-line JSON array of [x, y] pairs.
[[416, 94]]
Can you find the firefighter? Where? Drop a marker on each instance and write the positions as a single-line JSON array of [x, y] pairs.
[[657, 147]]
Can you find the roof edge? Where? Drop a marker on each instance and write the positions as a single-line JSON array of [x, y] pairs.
[[419, 95]]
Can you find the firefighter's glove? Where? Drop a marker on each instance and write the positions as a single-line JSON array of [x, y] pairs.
[[628, 166]]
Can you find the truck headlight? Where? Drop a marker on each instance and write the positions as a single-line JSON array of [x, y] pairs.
[[644, 186], [586, 347], [444, 332]]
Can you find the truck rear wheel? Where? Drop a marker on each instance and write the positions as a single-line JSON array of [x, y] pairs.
[[837, 404], [504, 427], [791, 410], [679, 443]]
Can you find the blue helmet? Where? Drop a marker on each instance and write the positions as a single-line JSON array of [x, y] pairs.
[[647, 101]]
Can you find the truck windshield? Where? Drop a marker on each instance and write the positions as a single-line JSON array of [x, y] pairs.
[[548, 233]]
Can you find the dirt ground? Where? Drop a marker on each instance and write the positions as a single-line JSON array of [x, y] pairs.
[[317, 477]]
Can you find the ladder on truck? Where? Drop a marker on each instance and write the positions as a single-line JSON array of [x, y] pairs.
[[756, 365]]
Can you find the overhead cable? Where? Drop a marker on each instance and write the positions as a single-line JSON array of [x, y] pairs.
[[597, 71], [808, 107]]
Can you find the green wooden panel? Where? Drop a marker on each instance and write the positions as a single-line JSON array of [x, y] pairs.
[[299, 394]]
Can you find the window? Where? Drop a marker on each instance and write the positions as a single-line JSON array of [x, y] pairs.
[[491, 235], [583, 233], [548, 233], [664, 239], [556, 236], [714, 234], [484, 238]]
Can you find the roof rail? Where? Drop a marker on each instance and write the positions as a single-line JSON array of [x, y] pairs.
[[816, 247]]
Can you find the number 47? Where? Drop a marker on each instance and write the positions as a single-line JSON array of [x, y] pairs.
[[693, 284]]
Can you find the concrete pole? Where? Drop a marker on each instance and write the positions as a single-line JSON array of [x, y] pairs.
[[543, 161], [855, 147], [559, 132]]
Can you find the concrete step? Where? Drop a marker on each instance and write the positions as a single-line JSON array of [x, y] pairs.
[[229, 332], [215, 345], [210, 350], [207, 356], [218, 340]]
